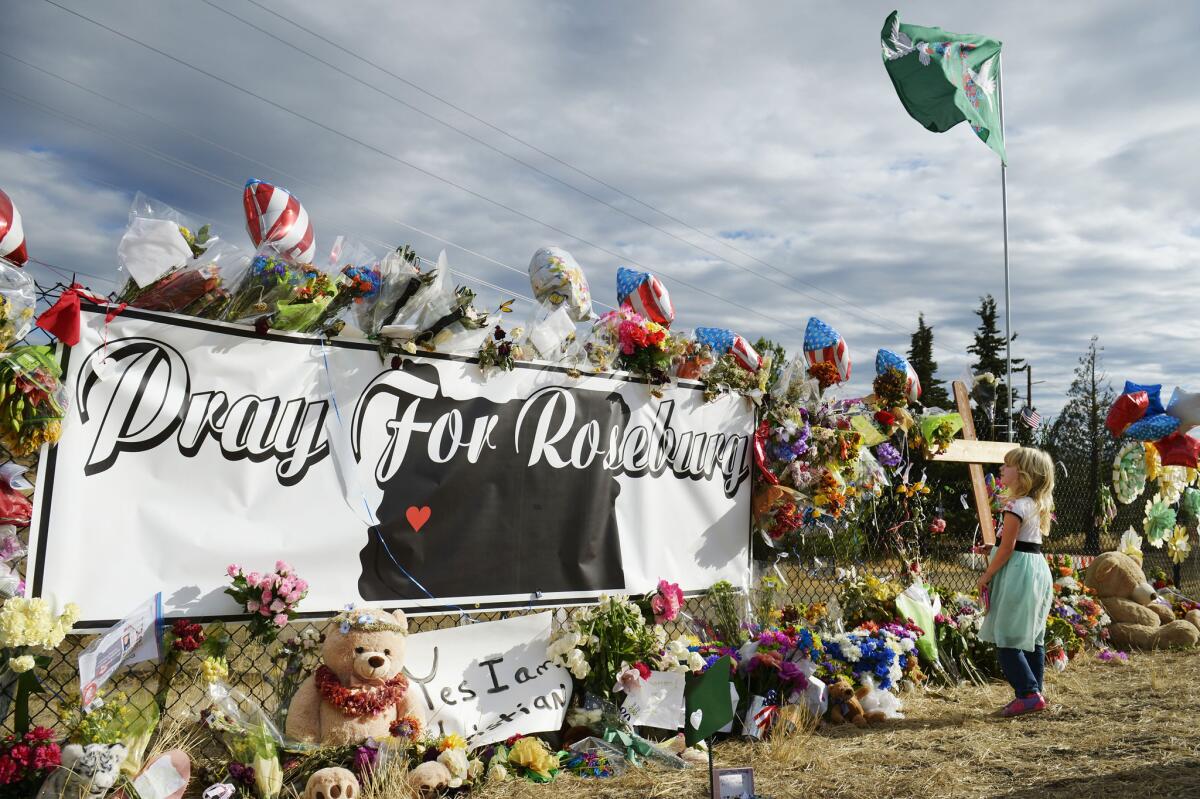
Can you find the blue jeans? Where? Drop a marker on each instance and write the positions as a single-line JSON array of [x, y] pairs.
[[1023, 670]]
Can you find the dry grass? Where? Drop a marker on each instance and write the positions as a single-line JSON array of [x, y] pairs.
[[1110, 731]]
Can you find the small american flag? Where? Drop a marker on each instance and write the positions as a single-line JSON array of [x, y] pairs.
[[1030, 418]]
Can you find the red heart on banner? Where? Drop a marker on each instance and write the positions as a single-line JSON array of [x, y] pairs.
[[417, 517]]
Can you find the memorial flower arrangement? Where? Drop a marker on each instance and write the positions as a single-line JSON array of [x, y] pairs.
[[304, 308], [500, 350], [961, 653], [775, 660], [268, 280], [27, 626], [270, 598], [884, 652], [33, 402], [1075, 606], [635, 344], [26, 760]]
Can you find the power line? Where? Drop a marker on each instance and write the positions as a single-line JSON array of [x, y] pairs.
[[222, 181], [417, 168], [293, 47], [555, 158]]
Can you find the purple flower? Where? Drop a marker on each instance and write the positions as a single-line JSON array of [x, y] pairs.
[[887, 455], [791, 673]]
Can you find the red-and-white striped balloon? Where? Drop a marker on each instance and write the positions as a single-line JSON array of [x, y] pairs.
[[274, 216], [12, 235]]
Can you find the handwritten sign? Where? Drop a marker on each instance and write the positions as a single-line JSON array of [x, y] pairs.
[[489, 681]]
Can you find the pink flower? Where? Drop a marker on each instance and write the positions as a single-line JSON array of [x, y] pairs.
[[253, 578], [267, 595], [277, 606], [264, 610], [281, 566], [281, 619], [301, 586], [233, 570], [667, 603], [628, 680], [252, 605]]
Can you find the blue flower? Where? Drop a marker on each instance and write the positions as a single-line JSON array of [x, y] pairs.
[[344, 627]]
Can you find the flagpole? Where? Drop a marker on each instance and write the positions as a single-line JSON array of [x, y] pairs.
[[1004, 212]]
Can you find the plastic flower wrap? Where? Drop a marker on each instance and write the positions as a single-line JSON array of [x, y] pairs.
[[304, 308], [33, 401], [1129, 472], [635, 344], [558, 279], [269, 279], [938, 430], [17, 301], [1159, 521]]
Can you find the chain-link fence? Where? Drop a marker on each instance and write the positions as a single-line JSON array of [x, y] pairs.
[[932, 532]]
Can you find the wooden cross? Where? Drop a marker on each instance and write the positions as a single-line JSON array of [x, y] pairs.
[[975, 453]]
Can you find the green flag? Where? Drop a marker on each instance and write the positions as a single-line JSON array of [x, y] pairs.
[[944, 78], [706, 701]]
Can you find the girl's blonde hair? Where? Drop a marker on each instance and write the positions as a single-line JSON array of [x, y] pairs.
[[1035, 479]]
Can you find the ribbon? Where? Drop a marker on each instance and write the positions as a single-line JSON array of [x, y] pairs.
[[760, 452], [634, 745], [62, 319]]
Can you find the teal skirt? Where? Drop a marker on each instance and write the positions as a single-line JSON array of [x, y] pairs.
[[1020, 597]]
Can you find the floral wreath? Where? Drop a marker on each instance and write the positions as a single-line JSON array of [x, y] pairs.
[[363, 620], [358, 701]]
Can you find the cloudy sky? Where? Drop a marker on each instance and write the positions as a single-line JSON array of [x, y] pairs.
[[753, 155]]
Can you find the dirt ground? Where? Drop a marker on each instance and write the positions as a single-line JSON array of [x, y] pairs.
[[1110, 730]]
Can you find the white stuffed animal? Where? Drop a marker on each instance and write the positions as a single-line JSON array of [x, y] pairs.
[[87, 772]]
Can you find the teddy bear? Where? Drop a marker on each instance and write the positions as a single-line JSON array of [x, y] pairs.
[[359, 691], [86, 772], [332, 783], [429, 778], [1140, 620], [845, 707]]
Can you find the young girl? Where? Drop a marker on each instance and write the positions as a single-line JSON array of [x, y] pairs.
[[1018, 581]]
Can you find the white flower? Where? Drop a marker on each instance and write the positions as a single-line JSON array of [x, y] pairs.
[[22, 664], [678, 648], [497, 773], [578, 664], [695, 661], [455, 761], [660, 636]]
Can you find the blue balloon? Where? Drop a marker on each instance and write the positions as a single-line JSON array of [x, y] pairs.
[[1153, 392], [1152, 428]]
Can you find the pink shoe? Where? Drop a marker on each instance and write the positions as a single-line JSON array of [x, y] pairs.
[[1022, 705]]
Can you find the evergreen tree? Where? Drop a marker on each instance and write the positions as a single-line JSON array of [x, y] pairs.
[[1078, 437], [989, 349], [920, 355]]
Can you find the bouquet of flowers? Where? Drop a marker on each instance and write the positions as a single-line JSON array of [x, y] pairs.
[[269, 279], [271, 598], [291, 663], [773, 660], [33, 401], [729, 375], [642, 347], [25, 762], [1075, 606], [500, 350], [601, 644], [867, 598], [304, 309], [885, 652], [961, 653], [27, 625]]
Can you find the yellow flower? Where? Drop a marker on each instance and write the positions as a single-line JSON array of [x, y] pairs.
[[451, 741], [20, 665], [214, 669], [533, 755]]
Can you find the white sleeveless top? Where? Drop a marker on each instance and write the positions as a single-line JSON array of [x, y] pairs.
[[1026, 510]]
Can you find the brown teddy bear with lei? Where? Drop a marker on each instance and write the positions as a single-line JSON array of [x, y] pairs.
[[359, 691]]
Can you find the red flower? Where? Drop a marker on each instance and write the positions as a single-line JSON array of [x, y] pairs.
[[885, 418], [22, 754], [643, 670]]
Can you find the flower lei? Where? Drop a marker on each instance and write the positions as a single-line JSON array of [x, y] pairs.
[[362, 700]]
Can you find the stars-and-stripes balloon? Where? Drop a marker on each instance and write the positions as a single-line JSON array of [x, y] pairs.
[[886, 359], [726, 341], [645, 295], [12, 235], [275, 216], [822, 343]]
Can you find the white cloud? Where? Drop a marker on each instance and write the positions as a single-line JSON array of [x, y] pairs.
[[776, 119]]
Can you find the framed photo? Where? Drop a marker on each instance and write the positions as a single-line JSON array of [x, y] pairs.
[[733, 783]]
